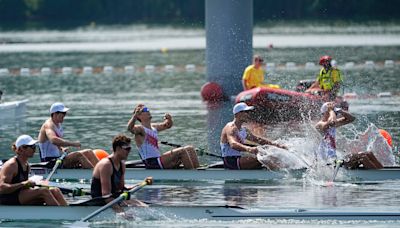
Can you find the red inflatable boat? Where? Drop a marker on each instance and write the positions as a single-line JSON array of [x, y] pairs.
[[280, 104]]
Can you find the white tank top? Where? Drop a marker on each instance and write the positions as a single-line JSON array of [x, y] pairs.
[[48, 149], [327, 147], [149, 148], [228, 151]]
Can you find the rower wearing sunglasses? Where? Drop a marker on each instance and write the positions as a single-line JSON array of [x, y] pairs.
[[15, 188], [146, 138], [109, 174]]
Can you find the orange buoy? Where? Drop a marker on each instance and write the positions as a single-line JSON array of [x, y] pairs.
[[100, 154], [387, 136]]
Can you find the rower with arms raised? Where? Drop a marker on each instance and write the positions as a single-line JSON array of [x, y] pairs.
[[146, 138]]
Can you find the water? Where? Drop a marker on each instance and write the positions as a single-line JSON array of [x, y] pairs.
[[101, 105]]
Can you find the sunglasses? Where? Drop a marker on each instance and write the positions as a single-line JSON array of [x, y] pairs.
[[127, 148], [145, 109], [30, 146]]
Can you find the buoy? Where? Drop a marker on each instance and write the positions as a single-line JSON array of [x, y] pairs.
[[100, 154], [149, 69], [387, 136], [45, 71], [25, 71], [66, 70], [87, 70], [290, 66], [4, 72], [108, 70], [164, 50], [190, 67], [212, 91], [129, 70]]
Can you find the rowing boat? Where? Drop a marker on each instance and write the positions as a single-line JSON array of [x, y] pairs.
[[12, 109], [388, 173], [156, 212]]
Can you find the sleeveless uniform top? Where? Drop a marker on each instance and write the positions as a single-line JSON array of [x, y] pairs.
[[228, 151], [149, 148], [327, 79], [253, 77], [95, 188], [327, 147], [48, 149], [12, 198]]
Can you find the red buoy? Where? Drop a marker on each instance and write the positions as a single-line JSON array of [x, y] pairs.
[[212, 91]]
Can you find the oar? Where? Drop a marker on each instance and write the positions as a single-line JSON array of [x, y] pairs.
[[200, 151], [73, 191], [338, 164], [58, 163], [120, 198]]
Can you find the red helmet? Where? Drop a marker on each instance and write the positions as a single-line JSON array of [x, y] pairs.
[[325, 58]]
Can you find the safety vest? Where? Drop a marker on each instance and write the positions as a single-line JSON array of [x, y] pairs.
[[327, 79]]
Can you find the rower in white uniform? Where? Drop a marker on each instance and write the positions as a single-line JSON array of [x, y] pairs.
[[146, 138]]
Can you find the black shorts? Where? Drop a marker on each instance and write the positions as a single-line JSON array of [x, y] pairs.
[[232, 162], [153, 163], [10, 199]]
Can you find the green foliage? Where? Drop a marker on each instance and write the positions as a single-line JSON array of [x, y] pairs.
[[186, 12]]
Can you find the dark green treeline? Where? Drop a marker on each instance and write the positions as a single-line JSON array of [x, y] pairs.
[[185, 12]]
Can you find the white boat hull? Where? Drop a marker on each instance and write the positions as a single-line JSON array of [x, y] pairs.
[[221, 174], [13, 109], [191, 212]]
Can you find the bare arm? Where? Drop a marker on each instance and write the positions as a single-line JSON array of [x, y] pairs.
[[54, 139], [324, 125], [105, 172], [8, 171], [345, 119], [166, 124], [263, 141], [235, 143]]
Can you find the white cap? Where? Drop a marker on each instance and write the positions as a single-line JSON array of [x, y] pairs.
[[239, 107], [58, 107], [25, 140], [324, 108]]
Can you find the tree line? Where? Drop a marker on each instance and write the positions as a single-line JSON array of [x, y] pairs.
[[184, 12]]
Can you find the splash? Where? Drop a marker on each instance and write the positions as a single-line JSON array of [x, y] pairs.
[[370, 140], [276, 158]]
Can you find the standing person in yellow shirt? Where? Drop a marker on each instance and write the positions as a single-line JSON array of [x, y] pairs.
[[329, 79], [253, 76]]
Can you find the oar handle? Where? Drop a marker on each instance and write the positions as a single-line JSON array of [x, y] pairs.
[[56, 165], [73, 191]]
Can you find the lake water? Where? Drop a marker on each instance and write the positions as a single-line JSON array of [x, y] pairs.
[[101, 105]]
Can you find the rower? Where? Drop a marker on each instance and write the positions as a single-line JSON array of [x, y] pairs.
[[109, 174], [146, 138], [52, 145], [15, 188], [232, 141]]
